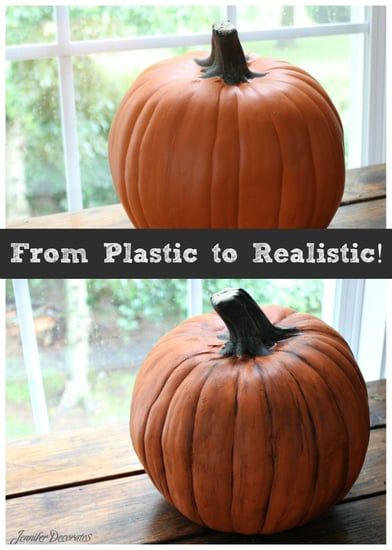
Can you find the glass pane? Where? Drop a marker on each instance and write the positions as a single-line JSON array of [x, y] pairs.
[[304, 295], [328, 59], [270, 16], [96, 106], [126, 21], [92, 337], [35, 180], [19, 417], [29, 25]]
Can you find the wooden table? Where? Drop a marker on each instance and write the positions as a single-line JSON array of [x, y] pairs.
[[90, 482], [363, 206]]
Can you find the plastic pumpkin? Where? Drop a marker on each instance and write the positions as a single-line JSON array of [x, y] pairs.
[[227, 142]]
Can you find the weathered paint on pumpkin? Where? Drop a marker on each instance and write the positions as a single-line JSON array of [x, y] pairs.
[[192, 152], [253, 444]]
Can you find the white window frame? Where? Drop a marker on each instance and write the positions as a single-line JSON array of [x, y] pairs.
[[370, 70], [356, 308]]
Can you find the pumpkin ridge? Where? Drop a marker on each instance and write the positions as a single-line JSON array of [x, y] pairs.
[[358, 401], [282, 173], [160, 392], [325, 336], [232, 450], [314, 385], [349, 374], [193, 498], [166, 345], [132, 203], [308, 327], [213, 151], [164, 478], [142, 138], [310, 97], [310, 324], [239, 161], [343, 370], [136, 199], [316, 180], [313, 83], [193, 494], [346, 470], [186, 99], [283, 176], [285, 508], [321, 101], [272, 443], [214, 366], [314, 187], [112, 145], [315, 474], [279, 149], [122, 190], [313, 179], [178, 120]]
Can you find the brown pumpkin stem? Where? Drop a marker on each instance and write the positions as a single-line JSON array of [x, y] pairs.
[[227, 59], [250, 331]]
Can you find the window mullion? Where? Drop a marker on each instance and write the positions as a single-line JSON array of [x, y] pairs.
[[374, 108], [232, 15], [357, 86], [24, 312], [195, 297], [372, 333], [347, 310], [68, 114]]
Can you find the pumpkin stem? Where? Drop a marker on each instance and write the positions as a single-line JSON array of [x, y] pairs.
[[250, 331], [227, 59]]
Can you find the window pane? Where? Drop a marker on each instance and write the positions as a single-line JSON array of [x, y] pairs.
[[270, 16], [329, 59], [92, 337], [29, 25], [124, 21], [35, 180], [304, 295]]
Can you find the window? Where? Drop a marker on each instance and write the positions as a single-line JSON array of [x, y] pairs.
[[74, 346], [67, 69]]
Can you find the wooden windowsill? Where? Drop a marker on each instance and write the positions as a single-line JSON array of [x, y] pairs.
[[363, 206]]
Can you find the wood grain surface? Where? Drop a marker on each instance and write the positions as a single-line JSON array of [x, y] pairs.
[[66, 458], [363, 206], [364, 184], [361, 215], [377, 402], [359, 522], [130, 510]]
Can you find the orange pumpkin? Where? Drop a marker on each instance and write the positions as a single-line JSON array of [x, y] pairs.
[[227, 142], [248, 421]]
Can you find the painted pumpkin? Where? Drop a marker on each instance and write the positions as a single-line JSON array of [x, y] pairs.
[[248, 421], [227, 142]]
